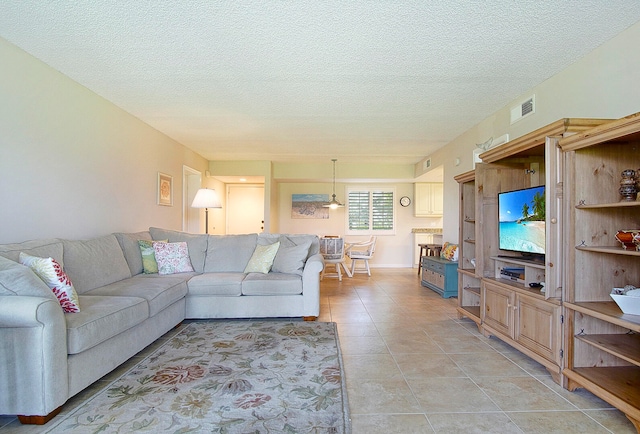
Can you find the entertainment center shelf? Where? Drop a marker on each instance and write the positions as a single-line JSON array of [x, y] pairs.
[[614, 250], [602, 344], [606, 311], [506, 306], [469, 291], [533, 272]]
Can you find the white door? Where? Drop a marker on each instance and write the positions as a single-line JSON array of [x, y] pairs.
[[191, 182], [245, 209]]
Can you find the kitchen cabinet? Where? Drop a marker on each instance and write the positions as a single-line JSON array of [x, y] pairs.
[[429, 199]]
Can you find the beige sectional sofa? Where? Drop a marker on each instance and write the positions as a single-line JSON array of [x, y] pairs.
[[48, 356]]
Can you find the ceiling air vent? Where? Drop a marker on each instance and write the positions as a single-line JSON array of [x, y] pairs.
[[525, 108]]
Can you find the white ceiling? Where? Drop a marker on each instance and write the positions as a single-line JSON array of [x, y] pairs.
[[309, 80]]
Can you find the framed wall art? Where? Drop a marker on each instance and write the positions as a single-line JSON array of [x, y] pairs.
[[165, 189], [309, 206]]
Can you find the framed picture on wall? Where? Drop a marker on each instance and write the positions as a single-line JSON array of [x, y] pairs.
[[165, 189], [309, 206]]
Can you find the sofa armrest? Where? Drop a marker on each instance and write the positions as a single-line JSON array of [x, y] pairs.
[[311, 285], [33, 356]]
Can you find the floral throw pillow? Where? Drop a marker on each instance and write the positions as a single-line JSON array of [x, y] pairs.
[[172, 258], [262, 259], [50, 271], [449, 252]]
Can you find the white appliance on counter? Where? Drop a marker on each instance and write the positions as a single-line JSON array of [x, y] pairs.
[[423, 238]]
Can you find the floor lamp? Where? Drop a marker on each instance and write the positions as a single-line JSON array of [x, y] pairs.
[[206, 198]]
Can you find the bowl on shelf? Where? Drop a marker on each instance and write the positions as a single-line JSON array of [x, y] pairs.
[[629, 238], [627, 299]]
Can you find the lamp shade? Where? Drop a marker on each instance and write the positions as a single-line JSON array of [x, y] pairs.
[[206, 198]]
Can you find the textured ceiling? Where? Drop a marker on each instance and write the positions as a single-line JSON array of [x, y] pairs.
[[377, 81]]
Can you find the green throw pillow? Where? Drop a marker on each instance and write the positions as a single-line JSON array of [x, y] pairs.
[[149, 264], [262, 258]]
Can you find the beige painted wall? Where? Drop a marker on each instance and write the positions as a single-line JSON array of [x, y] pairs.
[[603, 84], [391, 251], [74, 165]]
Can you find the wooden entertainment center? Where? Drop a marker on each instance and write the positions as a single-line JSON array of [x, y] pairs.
[[573, 328]]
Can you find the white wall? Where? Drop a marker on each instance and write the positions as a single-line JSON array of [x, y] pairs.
[[73, 165], [603, 84]]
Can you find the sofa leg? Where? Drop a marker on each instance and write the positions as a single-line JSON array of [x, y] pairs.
[[178, 325], [39, 420], [309, 318]]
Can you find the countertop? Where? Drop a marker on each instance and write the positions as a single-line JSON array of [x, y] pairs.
[[426, 230]]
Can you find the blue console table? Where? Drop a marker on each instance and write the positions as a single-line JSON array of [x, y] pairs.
[[440, 275]]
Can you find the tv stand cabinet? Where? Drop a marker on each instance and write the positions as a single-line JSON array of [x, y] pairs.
[[509, 308]]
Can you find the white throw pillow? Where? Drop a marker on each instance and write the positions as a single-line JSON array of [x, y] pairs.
[[51, 273]]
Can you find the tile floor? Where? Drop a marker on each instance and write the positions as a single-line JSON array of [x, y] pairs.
[[412, 366]]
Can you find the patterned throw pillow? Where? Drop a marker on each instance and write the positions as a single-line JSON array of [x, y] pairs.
[[449, 252], [172, 258], [51, 273], [262, 259], [149, 263]]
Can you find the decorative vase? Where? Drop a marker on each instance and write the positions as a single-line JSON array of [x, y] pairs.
[[628, 189], [629, 238]]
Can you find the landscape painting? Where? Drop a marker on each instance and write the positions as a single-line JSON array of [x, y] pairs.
[[309, 206]]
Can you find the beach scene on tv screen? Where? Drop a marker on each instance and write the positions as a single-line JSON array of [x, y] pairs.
[[522, 217]]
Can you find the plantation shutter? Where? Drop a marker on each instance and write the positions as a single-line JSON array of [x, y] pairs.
[[382, 211], [370, 211], [359, 210]]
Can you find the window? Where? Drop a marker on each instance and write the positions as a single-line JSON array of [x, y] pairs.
[[370, 210]]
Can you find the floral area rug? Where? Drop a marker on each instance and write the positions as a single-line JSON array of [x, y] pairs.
[[227, 377]]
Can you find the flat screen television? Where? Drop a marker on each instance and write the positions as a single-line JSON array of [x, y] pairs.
[[521, 225]]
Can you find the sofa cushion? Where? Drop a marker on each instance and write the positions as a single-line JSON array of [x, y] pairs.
[[172, 258], [159, 291], [272, 284], [262, 258], [57, 280], [94, 263], [101, 318], [131, 250], [291, 260], [292, 240], [229, 284], [197, 244], [229, 253], [47, 248], [17, 279], [293, 252]]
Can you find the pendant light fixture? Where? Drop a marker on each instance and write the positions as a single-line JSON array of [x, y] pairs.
[[334, 202]]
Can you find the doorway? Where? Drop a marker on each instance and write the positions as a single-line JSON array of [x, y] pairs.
[[245, 209], [191, 182]]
